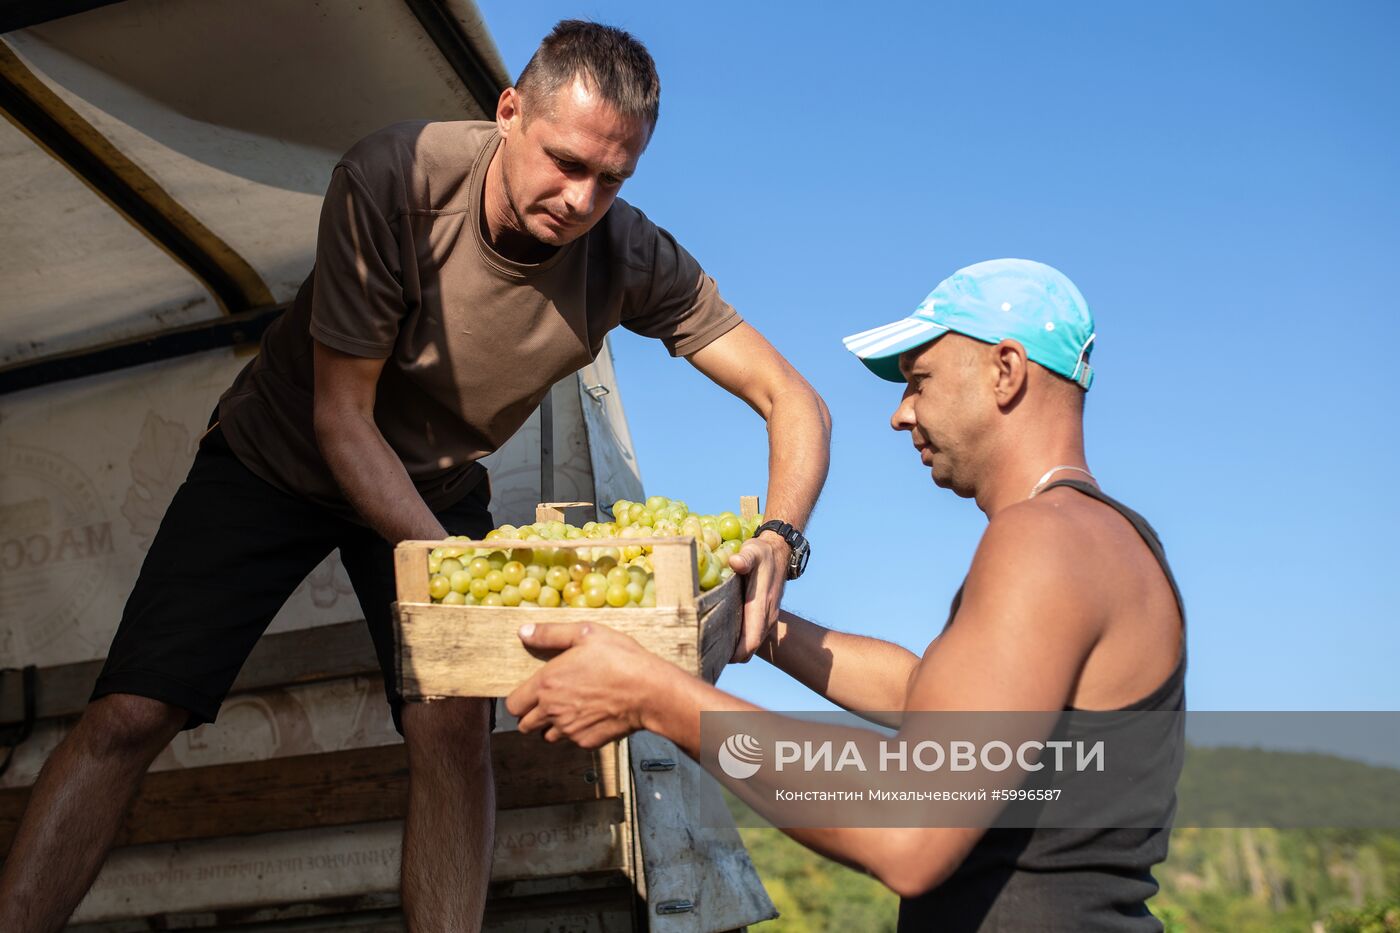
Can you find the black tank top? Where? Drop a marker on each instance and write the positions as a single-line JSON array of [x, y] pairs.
[[1063, 880]]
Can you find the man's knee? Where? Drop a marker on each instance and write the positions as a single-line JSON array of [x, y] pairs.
[[124, 725]]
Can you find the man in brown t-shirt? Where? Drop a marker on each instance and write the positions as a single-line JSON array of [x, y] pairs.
[[461, 270]]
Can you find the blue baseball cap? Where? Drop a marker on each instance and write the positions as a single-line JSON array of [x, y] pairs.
[[992, 301]]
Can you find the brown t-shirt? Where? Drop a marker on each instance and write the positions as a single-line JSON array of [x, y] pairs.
[[472, 341]]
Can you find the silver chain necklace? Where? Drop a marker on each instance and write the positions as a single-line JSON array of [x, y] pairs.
[[1045, 478]]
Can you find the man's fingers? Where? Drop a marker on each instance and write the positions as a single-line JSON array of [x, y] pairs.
[[533, 719], [524, 697], [755, 610], [553, 636]]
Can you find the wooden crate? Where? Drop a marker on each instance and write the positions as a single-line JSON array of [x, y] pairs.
[[475, 651]]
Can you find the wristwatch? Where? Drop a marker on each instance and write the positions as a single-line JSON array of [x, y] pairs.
[[801, 550]]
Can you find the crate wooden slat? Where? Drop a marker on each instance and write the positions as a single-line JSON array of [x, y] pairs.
[[476, 650], [447, 651]]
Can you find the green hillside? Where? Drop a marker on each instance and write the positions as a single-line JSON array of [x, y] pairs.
[[1251, 880]]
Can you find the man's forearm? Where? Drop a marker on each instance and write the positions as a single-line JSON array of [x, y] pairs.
[[799, 454], [674, 713], [374, 480], [853, 671]]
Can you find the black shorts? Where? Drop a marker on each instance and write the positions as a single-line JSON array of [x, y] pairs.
[[230, 551]]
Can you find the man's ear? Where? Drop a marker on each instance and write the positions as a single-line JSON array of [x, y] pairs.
[[1012, 372], [508, 113]]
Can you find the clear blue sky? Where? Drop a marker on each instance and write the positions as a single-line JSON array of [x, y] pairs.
[[1222, 181]]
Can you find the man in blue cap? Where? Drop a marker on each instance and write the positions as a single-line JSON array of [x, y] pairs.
[[1069, 605]]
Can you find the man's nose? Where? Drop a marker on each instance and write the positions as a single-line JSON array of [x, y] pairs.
[[580, 197], [903, 417]]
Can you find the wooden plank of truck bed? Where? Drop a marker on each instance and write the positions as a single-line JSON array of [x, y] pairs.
[[354, 786], [307, 655]]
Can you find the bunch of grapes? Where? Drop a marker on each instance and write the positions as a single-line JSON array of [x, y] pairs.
[[522, 569]]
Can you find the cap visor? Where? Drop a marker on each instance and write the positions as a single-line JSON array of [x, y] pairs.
[[880, 347]]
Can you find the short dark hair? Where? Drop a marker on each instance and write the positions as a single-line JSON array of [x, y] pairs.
[[611, 61]]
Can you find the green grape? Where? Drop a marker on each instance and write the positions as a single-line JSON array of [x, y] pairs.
[[434, 564], [461, 581], [612, 572], [436, 553], [454, 598], [470, 600], [449, 566], [648, 601], [438, 587], [557, 577], [709, 578]]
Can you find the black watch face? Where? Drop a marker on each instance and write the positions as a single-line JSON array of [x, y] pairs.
[[798, 562]]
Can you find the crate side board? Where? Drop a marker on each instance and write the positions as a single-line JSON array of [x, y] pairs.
[[447, 651]]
